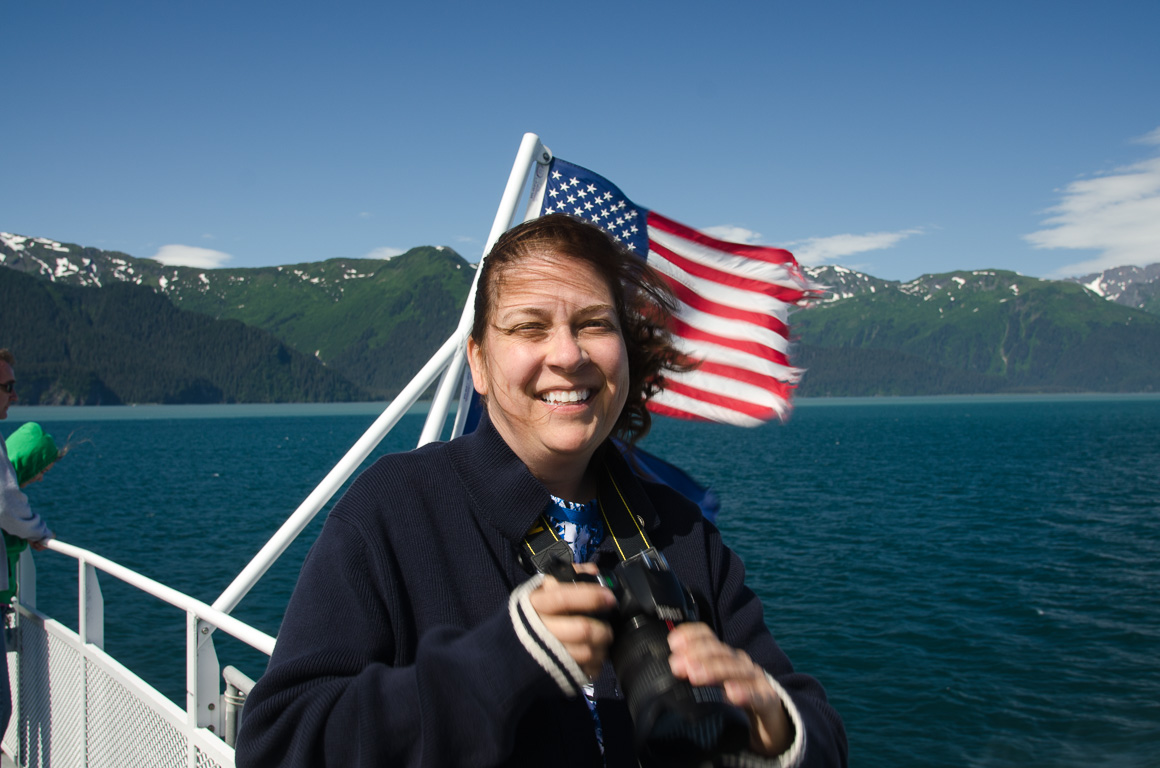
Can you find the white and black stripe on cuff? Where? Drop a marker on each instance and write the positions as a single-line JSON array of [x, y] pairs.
[[543, 646], [788, 759]]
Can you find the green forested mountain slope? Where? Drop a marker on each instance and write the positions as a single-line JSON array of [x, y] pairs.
[[125, 343], [982, 331], [375, 322]]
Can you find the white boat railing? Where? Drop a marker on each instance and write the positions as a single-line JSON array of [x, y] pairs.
[[75, 705]]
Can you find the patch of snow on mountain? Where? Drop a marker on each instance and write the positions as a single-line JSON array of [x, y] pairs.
[[15, 242], [51, 244], [1096, 286], [64, 267]]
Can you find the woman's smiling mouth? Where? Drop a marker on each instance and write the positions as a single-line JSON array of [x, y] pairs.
[[566, 396]]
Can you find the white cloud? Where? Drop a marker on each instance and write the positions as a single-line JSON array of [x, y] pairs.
[[1116, 214], [384, 253], [1152, 137], [816, 251], [190, 256]]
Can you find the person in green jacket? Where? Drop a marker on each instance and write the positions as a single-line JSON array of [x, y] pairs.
[[32, 452]]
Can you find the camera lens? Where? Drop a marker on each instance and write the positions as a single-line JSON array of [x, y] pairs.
[[676, 723]]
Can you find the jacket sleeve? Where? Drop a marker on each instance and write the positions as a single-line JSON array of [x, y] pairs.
[[333, 696], [16, 515], [819, 735]]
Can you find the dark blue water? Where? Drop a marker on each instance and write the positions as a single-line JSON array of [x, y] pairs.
[[975, 581]]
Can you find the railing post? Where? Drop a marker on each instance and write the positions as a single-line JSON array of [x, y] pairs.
[[202, 690], [238, 687], [91, 620], [26, 578]]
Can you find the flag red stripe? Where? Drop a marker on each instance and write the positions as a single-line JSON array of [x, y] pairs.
[[741, 406], [758, 252], [698, 302], [748, 376], [689, 333], [675, 413], [669, 403], [725, 278]]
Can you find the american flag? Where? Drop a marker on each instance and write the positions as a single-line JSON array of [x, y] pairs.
[[733, 310]]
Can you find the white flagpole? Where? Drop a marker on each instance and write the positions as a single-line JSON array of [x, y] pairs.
[[449, 359], [535, 204], [531, 152]]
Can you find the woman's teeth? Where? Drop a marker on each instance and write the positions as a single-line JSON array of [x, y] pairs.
[[560, 397]]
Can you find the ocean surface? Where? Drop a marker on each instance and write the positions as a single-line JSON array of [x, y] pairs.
[[975, 581]]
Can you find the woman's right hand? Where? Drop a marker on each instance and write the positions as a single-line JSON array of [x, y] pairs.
[[569, 611]]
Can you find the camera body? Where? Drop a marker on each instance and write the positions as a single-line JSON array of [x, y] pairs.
[[676, 723]]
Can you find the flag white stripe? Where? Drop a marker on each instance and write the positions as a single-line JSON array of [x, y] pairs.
[[721, 385], [732, 329], [704, 410], [726, 295], [726, 356], [754, 269]]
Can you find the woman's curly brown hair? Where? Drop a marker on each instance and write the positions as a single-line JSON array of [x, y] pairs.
[[644, 302]]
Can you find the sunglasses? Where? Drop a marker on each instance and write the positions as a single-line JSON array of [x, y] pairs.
[[8, 386]]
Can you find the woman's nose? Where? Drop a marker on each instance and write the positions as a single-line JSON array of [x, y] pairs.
[[565, 351]]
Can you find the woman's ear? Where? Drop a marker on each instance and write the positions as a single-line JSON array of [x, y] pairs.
[[475, 362]]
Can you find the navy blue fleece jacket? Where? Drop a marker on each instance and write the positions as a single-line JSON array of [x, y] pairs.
[[409, 639]]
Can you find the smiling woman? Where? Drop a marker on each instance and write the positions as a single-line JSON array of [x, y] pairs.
[[420, 633], [553, 370]]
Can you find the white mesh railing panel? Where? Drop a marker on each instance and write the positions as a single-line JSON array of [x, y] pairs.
[[115, 721], [123, 731], [208, 761], [48, 670], [10, 741]]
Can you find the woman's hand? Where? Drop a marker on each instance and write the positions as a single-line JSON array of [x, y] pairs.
[[568, 610], [702, 659]]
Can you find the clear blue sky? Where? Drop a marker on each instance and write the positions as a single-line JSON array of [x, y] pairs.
[[897, 138]]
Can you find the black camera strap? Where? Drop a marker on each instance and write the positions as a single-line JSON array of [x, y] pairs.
[[545, 547]]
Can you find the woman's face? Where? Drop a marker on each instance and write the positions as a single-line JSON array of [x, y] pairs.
[[552, 364]]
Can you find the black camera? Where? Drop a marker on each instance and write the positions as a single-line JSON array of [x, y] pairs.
[[676, 723]]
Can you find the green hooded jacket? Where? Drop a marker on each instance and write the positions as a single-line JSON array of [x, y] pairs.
[[31, 451]]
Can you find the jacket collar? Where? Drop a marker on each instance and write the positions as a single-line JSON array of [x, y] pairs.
[[510, 498]]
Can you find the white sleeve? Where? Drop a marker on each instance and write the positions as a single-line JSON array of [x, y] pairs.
[[16, 515]]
